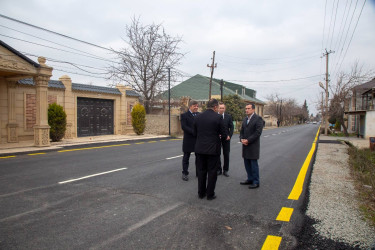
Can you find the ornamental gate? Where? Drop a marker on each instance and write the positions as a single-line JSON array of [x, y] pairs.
[[94, 117]]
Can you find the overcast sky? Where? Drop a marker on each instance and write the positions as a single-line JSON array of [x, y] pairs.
[[264, 45]]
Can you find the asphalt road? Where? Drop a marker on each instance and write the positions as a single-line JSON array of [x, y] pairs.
[[130, 196]]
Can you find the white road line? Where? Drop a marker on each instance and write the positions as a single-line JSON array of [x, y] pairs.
[[89, 176], [174, 157], [266, 136], [274, 134]]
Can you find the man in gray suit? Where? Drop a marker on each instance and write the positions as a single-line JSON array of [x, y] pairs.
[[251, 129]]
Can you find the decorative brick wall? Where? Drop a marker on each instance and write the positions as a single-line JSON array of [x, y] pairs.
[[52, 99], [30, 109]]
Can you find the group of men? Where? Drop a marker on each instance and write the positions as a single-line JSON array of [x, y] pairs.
[[206, 133]]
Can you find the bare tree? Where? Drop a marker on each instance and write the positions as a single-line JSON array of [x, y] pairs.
[[342, 92], [145, 62], [287, 111]]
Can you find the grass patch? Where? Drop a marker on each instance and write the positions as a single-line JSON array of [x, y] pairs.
[[362, 162], [341, 134]]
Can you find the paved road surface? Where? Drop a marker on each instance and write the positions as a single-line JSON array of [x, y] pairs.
[[131, 196]]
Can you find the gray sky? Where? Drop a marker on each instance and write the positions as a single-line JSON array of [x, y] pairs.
[[263, 45]]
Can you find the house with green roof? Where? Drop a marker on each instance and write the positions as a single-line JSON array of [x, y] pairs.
[[197, 88]]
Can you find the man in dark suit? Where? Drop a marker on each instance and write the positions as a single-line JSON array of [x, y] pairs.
[[209, 128], [251, 129], [225, 142], [188, 143]]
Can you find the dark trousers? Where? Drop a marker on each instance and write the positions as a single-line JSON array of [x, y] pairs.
[[185, 163], [252, 170], [207, 173], [226, 151]]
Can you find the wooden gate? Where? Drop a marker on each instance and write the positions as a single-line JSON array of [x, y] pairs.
[[94, 117]]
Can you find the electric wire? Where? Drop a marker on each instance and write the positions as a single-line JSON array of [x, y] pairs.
[[46, 46], [51, 42], [338, 59], [347, 48]]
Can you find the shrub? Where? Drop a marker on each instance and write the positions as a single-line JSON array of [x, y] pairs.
[[57, 121], [138, 118]]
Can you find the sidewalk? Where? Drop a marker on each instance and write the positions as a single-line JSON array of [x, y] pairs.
[[28, 146], [334, 219]]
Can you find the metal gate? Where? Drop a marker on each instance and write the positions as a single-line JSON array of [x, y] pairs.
[[94, 117]]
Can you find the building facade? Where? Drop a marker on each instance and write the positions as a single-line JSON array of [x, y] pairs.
[[26, 90], [361, 110]]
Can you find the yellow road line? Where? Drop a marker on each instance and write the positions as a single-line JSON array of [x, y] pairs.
[[139, 142], [37, 154], [271, 242], [151, 141], [175, 139], [298, 185], [163, 140], [10, 156], [77, 149], [285, 214]]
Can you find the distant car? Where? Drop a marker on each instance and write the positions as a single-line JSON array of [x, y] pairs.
[[314, 122]]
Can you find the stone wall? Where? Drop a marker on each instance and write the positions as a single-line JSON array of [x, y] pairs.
[[159, 125]]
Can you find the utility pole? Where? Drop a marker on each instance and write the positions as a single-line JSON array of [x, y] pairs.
[[221, 89], [322, 104], [212, 66], [326, 54], [169, 100]]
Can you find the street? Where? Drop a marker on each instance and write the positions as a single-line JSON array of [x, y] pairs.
[[130, 196]]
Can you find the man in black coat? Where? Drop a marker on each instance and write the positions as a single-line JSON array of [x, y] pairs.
[[188, 143], [225, 142], [208, 128], [251, 129]]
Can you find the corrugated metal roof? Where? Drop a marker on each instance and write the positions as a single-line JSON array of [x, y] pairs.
[[93, 88], [197, 87], [132, 93], [51, 83]]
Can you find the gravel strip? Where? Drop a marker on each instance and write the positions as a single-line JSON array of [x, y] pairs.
[[333, 202]]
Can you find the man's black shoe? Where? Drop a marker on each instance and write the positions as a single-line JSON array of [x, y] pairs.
[[226, 173], [246, 182], [252, 186], [219, 172], [201, 196], [185, 177], [211, 198]]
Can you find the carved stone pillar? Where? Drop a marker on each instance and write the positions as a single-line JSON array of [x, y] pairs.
[[41, 128], [68, 131], [12, 122]]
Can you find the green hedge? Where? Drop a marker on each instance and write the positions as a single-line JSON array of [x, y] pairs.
[[57, 121], [138, 119]]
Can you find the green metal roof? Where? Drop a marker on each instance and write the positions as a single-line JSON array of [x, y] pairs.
[[197, 88]]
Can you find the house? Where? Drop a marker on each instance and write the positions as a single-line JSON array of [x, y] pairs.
[[361, 111], [197, 88], [26, 90]]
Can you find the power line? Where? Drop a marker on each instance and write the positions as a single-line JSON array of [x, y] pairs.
[[346, 36], [351, 37], [265, 59], [75, 73], [284, 80], [56, 33], [334, 24], [97, 58], [50, 41]]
